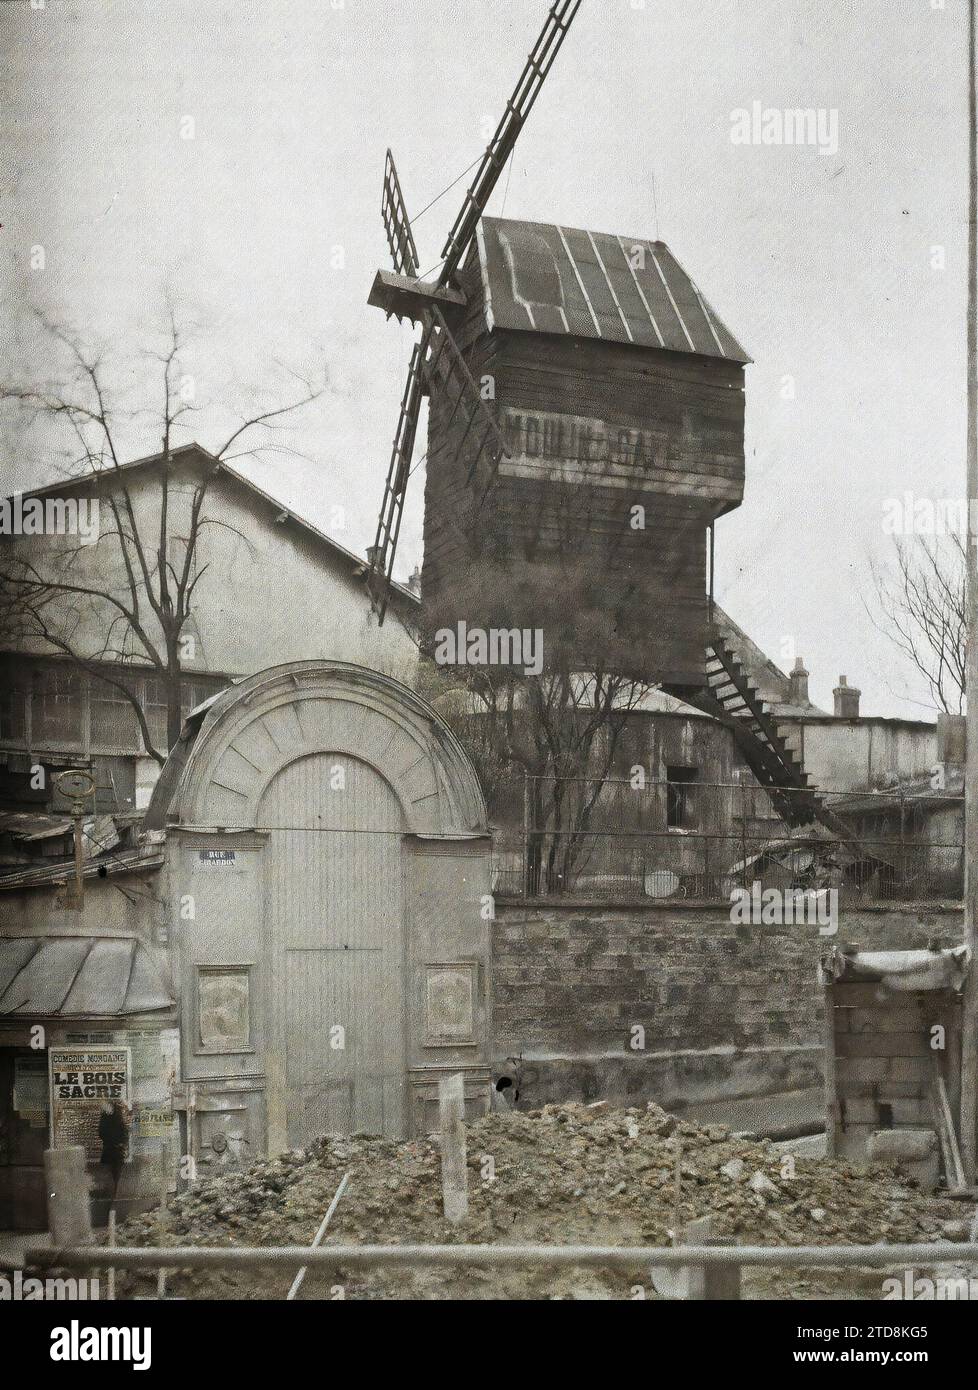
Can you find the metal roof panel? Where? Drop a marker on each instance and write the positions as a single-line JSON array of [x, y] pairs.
[[79, 977], [545, 278]]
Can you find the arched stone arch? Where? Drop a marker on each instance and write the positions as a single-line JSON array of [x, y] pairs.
[[260, 726], [376, 926]]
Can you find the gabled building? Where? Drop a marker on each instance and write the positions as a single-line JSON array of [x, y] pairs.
[[271, 588]]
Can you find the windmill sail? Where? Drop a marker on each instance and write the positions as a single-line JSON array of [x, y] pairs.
[[397, 224], [389, 524], [446, 367], [501, 145]]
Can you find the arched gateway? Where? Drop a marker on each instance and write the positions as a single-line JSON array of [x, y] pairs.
[[329, 877]]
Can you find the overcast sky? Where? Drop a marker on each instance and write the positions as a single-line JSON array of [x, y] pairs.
[[267, 222]]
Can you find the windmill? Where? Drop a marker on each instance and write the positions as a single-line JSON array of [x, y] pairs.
[[578, 497], [437, 356]]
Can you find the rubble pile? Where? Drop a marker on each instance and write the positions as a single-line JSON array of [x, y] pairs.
[[564, 1174]]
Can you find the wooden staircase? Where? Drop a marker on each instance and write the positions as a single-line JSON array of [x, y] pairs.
[[730, 697]]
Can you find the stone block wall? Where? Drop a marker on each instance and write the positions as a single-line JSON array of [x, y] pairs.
[[726, 1010]]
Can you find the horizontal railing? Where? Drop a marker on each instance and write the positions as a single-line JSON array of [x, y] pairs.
[[701, 840], [503, 1256]]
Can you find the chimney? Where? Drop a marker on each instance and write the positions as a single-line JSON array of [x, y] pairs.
[[414, 583], [846, 700], [372, 552], [799, 684], [951, 738]]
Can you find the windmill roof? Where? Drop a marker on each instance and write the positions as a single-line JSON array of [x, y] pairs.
[[543, 278]]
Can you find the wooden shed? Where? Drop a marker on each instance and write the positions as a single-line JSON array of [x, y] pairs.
[[620, 395], [893, 1056]]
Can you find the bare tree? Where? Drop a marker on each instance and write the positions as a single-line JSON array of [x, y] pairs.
[[554, 735], [141, 599], [922, 598]]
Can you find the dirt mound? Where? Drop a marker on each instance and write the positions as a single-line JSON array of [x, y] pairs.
[[563, 1174]]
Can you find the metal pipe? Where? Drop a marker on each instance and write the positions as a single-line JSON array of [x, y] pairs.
[[507, 1256], [969, 1040], [318, 1238]]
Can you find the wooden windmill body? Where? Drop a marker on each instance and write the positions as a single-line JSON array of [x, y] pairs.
[[585, 427]]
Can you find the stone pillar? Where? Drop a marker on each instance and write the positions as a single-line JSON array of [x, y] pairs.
[[69, 1207], [454, 1175]]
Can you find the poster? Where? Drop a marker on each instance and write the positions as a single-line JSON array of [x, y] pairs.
[[152, 1122], [31, 1090], [81, 1081]]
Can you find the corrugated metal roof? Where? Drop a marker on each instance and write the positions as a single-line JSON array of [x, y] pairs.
[[79, 977], [546, 278]]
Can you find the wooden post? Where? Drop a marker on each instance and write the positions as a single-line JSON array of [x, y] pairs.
[[689, 1281], [677, 1193], [526, 834], [831, 1084], [111, 1245], [712, 569], [191, 1116], [454, 1174], [69, 1208], [721, 1283], [969, 1028], [78, 892], [743, 826]]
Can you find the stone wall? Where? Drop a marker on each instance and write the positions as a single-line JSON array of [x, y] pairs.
[[727, 1010]]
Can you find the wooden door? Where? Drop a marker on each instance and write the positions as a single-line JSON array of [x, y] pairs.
[[23, 1139], [336, 947]]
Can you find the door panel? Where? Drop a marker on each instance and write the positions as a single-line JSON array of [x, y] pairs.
[[336, 947], [23, 1191], [337, 1089]]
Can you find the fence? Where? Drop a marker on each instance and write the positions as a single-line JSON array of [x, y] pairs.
[[718, 1265], [683, 838]]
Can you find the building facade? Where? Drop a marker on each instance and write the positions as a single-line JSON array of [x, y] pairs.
[[269, 588], [299, 946]]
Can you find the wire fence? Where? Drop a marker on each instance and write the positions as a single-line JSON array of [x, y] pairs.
[[682, 838]]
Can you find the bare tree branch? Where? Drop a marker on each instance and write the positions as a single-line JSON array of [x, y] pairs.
[[146, 598]]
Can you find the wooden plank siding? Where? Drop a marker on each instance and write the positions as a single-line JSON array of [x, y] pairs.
[[509, 548]]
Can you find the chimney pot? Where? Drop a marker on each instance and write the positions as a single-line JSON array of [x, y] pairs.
[[846, 700], [799, 684]]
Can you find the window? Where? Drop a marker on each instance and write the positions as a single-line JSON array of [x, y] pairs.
[[195, 692], [224, 1008], [114, 723], [115, 784], [681, 798], [154, 707], [13, 704], [57, 698]]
